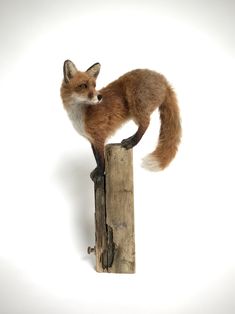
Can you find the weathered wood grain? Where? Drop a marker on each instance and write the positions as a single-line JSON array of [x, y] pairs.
[[114, 213], [120, 206]]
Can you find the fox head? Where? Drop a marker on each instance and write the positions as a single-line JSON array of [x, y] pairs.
[[80, 87]]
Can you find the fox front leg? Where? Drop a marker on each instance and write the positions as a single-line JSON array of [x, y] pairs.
[[99, 157]]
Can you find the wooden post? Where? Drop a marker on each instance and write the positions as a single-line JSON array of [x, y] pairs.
[[114, 213]]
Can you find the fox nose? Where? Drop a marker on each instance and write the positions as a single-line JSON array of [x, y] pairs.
[[99, 96]]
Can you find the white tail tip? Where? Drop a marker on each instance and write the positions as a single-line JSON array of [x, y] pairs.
[[151, 163]]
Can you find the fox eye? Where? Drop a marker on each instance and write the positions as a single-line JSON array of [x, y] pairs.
[[83, 85]]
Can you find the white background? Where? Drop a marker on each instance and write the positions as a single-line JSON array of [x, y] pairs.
[[184, 215]]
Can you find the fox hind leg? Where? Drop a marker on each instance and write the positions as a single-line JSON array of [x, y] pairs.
[[133, 140]]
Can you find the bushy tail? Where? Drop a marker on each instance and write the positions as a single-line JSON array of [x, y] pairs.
[[170, 134]]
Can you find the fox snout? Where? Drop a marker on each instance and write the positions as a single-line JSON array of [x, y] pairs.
[[94, 97]]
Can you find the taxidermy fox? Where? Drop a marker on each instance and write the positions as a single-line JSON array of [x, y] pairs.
[[96, 115]]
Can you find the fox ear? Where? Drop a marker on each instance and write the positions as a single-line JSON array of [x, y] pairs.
[[94, 70], [69, 70]]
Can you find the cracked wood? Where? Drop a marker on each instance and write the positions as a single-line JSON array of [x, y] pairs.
[[115, 241]]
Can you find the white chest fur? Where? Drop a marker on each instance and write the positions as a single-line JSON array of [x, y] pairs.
[[76, 114]]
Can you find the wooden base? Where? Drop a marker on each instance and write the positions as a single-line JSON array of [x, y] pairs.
[[114, 213]]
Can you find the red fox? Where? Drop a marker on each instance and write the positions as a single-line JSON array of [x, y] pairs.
[[96, 115]]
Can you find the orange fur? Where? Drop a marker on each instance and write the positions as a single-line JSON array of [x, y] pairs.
[[135, 95]]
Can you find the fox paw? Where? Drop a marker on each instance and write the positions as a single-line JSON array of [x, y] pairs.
[[128, 143], [96, 175]]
